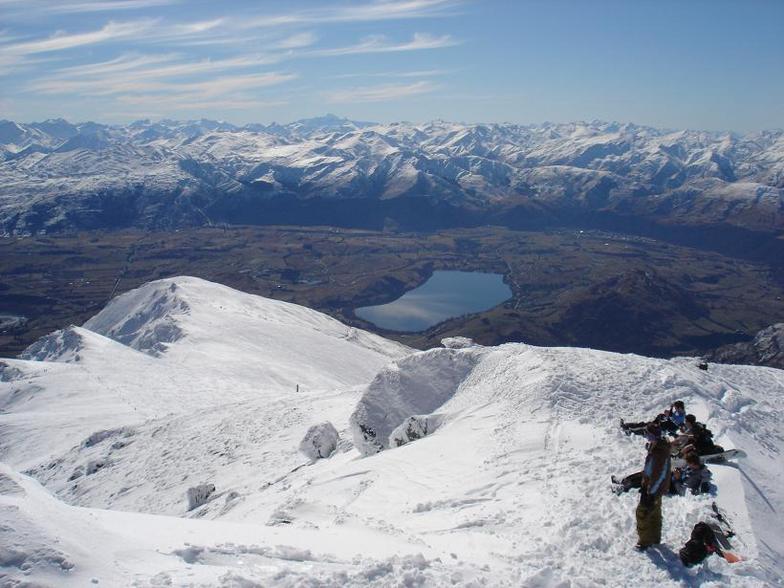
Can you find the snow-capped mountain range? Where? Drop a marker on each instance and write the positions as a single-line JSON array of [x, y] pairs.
[[160, 444], [56, 175], [767, 348]]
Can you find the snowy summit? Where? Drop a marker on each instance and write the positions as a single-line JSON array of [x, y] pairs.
[[190, 434]]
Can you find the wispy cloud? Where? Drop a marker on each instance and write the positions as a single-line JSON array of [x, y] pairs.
[[200, 59], [226, 30], [121, 64], [10, 64], [381, 93], [326, 13], [133, 67], [136, 85], [224, 85], [7, 37], [186, 32], [193, 28], [196, 102], [27, 10], [110, 32], [146, 30], [131, 70], [379, 44], [107, 6], [424, 73], [378, 10], [297, 41]]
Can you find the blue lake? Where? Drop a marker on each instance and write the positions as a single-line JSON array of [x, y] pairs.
[[445, 295]]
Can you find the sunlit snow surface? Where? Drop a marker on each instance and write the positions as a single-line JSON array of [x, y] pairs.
[[103, 439]]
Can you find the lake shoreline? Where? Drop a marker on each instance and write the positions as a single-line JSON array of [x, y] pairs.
[[445, 295]]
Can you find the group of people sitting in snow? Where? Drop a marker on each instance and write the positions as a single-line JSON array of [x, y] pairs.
[[688, 441]]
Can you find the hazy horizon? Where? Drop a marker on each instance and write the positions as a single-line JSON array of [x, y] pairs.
[[708, 65], [240, 124]]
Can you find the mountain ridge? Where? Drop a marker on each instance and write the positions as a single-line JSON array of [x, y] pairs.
[[60, 176], [507, 485]]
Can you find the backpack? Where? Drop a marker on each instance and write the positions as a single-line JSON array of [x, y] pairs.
[[703, 442], [699, 546]]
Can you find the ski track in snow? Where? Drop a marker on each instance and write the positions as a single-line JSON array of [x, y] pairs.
[[512, 489]]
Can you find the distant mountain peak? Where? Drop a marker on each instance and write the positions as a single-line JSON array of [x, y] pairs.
[[329, 121]]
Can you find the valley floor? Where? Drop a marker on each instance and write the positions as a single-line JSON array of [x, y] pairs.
[[570, 287]]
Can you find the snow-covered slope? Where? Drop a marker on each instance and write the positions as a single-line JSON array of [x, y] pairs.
[[510, 486], [175, 346], [57, 175]]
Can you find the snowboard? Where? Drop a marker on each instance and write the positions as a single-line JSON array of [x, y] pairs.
[[679, 462], [722, 531], [722, 456]]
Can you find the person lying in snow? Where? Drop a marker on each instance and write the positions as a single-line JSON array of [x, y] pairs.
[[670, 421], [694, 477], [707, 537], [654, 484], [700, 545]]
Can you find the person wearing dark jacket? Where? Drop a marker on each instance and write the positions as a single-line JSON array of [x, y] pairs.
[[655, 483], [688, 433], [694, 478], [697, 436]]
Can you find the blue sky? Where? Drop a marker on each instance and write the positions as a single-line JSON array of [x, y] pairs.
[[708, 64]]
